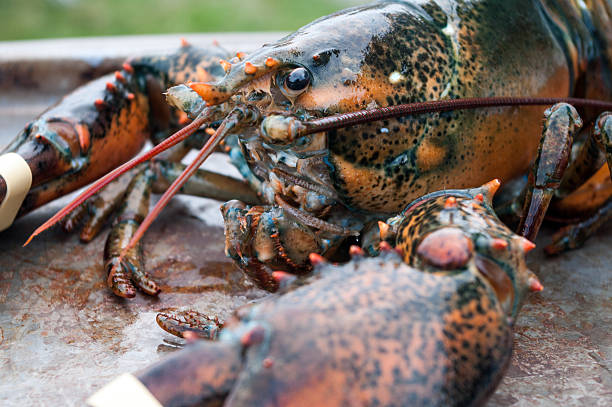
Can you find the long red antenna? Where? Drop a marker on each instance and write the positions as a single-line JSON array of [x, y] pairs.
[[105, 180], [365, 116], [236, 116]]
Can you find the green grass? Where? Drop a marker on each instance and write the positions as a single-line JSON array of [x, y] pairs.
[[28, 19]]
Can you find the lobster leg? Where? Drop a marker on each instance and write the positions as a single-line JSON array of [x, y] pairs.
[[552, 179], [560, 123], [99, 207], [122, 271], [574, 236], [587, 162], [603, 136], [203, 183], [154, 177]]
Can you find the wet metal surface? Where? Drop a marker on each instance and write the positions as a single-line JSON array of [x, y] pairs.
[[63, 334]]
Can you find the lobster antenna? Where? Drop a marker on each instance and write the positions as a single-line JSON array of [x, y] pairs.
[[235, 117], [105, 180], [366, 116]]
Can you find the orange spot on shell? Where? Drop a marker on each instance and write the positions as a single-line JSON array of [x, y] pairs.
[[535, 285], [267, 363], [279, 276], [241, 55], [271, 62], [119, 77], [110, 87], [130, 96], [355, 250], [225, 65], [527, 244], [39, 137], [84, 136], [210, 131], [99, 103], [451, 202], [316, 259], [479, 197], [250, 69], [499, 244], [128, 68], [384, 246], [210, 93], [185, 43]]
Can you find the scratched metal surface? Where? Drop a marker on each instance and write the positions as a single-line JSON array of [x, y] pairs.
[[62, 335]]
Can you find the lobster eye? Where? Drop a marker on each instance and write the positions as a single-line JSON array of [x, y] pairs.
[[297, 81]]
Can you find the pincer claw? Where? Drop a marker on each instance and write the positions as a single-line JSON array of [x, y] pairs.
[[187, 324]]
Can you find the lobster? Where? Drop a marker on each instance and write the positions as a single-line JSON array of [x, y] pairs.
[[323, 181], [322, 126]]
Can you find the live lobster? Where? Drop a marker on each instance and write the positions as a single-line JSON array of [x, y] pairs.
[[290, 105]]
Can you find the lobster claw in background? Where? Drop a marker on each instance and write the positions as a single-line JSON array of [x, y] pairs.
[[15, 182]]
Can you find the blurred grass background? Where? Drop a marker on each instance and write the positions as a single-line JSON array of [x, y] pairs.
[[30, 19]]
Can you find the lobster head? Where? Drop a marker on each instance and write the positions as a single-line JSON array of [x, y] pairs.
[[320, 67], [357, 59]]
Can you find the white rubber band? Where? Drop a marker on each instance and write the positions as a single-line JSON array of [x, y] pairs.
[[18, 176], [125, 390]]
